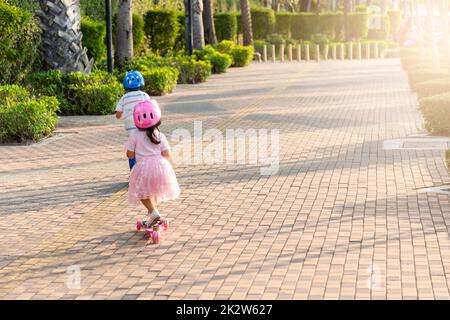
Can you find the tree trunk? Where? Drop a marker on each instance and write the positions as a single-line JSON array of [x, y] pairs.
[[197, 24], [246, 23], [208, 20], [276, 5], [61, 45], [445, 28], [347, 9], [124, 33]]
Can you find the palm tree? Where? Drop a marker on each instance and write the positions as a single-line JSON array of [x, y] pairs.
[[197, 24], [124, 32], [61, 45], [208, 21], [246, 23]]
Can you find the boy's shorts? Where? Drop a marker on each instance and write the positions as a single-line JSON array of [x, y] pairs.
[[131, 163]]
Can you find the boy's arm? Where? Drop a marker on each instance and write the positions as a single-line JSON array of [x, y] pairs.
[[119, 114], [131, 154]]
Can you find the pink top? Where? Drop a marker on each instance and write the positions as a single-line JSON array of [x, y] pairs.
[[140, 143]]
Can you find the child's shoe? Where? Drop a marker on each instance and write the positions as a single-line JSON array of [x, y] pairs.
[[153, 218]]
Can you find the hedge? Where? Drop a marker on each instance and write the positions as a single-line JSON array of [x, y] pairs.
[[23, 118], [357, 25], [226, 25], [436, 112], [418, 75], [383, 33], [180, 40], [263, 22], [161, 29], [395, 19], [98, 99], [283, 23], [138, 32], [160, 81], [304, 26], [225, 46], [432, 87], [19, 42], [94, 34], [220, 62], [329, 24], [242, 56]]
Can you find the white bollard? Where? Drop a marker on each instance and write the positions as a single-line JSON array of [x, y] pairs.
[[377, 53], [299, 52], [359, 48], [265, 53], [333, 52], [326, 52], [273, 53], [350, 50], [342, 54], [307, 57], [367, 50], [290, 52], [282, 53], [317, 53]]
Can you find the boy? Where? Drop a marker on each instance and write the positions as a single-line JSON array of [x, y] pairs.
[[133, 82]]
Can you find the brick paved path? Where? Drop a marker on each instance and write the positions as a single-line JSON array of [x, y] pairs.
[[343, 218]]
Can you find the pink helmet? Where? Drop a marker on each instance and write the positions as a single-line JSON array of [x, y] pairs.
[[146, 114]]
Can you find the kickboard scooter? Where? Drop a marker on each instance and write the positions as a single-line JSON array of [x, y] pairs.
[[153, 231]]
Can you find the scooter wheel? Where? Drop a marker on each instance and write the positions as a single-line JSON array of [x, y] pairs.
[[148, 232], [138, 225], [156, 237], [166, 224]]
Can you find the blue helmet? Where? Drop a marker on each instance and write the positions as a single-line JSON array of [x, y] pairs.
[[133, 80]]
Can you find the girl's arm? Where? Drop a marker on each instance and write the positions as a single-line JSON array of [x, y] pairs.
[[131, 154], [119, 114], [166, 154]]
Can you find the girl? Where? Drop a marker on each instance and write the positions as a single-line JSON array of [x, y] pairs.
[[152, 179]]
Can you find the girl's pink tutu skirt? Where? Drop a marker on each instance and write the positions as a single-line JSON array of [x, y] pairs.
[[153, 178]]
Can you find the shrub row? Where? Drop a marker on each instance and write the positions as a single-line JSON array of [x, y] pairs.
[[23, 117]]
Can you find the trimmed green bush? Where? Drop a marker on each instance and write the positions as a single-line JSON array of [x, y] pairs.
[[432, 87], [19, 42], [436, 112], [358, 25], [98, 99], [138, 32], [283, 23], [242, 56], [94, 34], [161, 28], [180, 40], [193, 71], [10, 94], [418, 75], [225, 46], [259, 46], [160, 81], [220, 62], [304, 26], [28, 119], [395, 19], [383, 33], [226, 25], [327, 22], [263, 22]]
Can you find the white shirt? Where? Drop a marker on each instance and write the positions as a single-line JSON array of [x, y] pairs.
[[126, 105]]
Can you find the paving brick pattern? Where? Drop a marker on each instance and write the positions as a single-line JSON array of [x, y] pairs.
[[342, 219]]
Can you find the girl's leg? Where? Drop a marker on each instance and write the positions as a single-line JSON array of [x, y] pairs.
[[148, 204]]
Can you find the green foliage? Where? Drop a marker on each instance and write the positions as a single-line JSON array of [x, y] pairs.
[[220, 62], [395, 20], [433, 87], [436, 112], [95, 9], [259, 46], [180, 41], [160, 81], [10, 94], [19, 42], [138, 32], [276, 39], [161, 29], [361, 8], [263, 22], [94, 34], [23, 118], [357, 25], [98, 99], [383, 32], [418, 75], [226, 25], [193, 71], [330, 24], [27, 5], [283, 23], [225, 46], [304, 26], [242, 56]]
